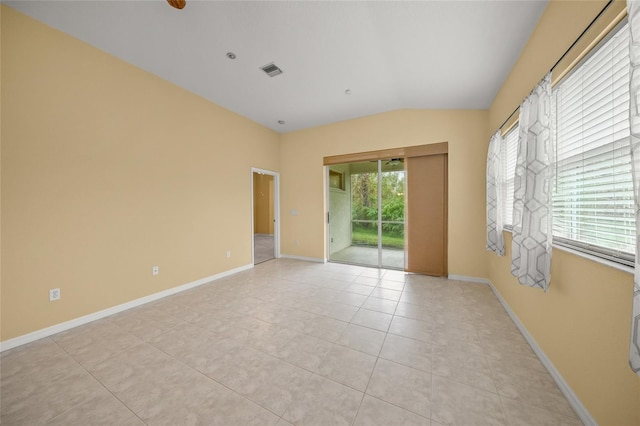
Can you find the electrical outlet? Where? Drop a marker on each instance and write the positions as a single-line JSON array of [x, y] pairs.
[[155, 270], [228, 253], [54, 294]]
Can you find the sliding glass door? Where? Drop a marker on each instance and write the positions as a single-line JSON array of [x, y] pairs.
[[366, 213], [392, 202]]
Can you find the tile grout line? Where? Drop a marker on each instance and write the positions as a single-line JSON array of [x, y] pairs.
[[201, 373], [402, 292], [378, 357], [493, 380], [97, 380]]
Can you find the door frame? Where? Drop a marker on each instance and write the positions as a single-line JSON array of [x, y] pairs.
[[276, 212], [327, 217]]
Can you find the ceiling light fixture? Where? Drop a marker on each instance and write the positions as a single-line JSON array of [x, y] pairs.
[[281, 121], [347, 92], [178, 4], [231, 55]]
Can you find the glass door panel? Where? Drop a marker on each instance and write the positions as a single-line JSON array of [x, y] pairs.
[[366, 213], [392, 188]]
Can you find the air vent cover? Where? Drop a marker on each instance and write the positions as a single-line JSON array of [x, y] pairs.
[[271, 69]]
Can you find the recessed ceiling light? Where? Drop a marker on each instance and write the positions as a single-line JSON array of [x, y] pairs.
[[231, 55], [281, 121], [347, 92]]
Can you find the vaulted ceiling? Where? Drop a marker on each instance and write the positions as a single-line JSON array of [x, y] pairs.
[[340, 59]]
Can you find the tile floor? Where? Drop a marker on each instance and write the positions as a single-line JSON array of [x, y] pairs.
[[291, 343], [263, 248]]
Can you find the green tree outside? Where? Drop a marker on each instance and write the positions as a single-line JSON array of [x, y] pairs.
[[364, 206]]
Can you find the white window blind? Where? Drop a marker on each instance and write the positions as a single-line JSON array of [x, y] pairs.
[[509, 156], [593, 206]]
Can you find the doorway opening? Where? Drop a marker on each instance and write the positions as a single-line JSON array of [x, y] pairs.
[[367, 213], [265, 230]]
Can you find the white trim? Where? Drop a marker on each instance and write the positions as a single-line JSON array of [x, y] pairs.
[[573, 399], [468, 279], [306, 259], [597, 259], [67, 325]]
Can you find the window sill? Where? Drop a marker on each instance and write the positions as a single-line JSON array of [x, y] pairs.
[[610, 263], [600, 260]]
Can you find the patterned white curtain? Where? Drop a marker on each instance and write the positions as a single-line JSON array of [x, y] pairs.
[[634, 117], [531, 247], [495, 240]]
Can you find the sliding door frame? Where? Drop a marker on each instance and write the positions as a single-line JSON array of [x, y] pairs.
[[378, 221], [385, 154]]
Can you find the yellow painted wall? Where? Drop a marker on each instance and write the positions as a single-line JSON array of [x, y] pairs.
[[583, 322], [263, 208], [1, 9], [107, 171], [303, 176]]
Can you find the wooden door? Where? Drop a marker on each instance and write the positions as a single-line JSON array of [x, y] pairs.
[[427, 214]]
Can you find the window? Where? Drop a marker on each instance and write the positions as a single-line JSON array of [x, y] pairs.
[[509, 150], [593, 207], [336, 179]]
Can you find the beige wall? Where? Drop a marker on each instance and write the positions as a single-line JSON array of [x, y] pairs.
[[263, 209], [583, 322], [303, 176], [107, 171], [1, 9]]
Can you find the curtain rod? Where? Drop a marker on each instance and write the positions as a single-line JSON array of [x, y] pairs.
[[609, 3]]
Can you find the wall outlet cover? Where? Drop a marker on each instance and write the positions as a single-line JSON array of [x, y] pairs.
[[54, 294]]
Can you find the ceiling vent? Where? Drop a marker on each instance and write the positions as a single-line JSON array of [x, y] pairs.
[[271, 70]]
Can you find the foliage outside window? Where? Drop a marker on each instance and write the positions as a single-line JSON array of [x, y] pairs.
[[364, 208]]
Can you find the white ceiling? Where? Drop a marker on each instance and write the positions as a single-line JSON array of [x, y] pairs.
[[390, 54]]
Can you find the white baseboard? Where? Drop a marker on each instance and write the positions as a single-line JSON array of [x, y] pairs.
[[307, 259], [468, 279], [573, 399], [67, 325]]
